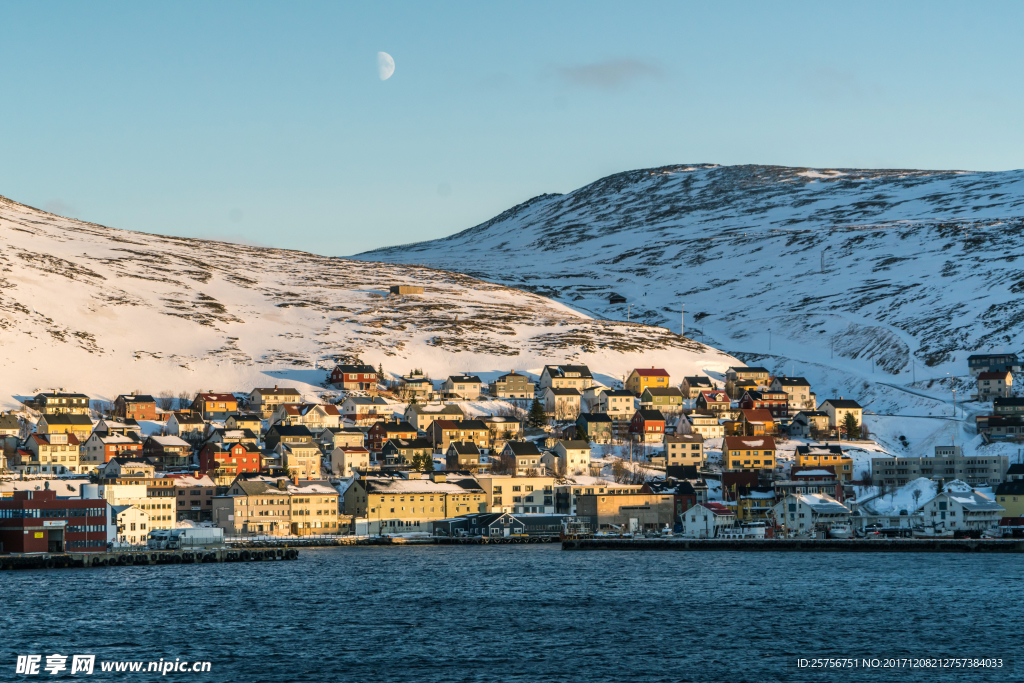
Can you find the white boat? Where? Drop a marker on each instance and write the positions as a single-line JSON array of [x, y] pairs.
[[743, 532], [840, 531]]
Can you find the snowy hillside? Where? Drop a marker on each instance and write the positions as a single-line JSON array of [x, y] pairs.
[[919, 266], [104, 311]]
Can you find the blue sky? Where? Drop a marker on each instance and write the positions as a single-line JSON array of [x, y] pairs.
[[267, 123]]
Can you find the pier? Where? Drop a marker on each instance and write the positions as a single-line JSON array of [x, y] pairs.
[[145, 557], [888, 545]]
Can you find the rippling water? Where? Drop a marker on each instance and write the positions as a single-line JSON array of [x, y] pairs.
[[522, 613]]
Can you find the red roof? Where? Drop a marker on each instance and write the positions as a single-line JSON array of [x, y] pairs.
[[743, 443], [653, 372], [217, 397], [758, 415], [715, 396], [44, 438], [994, 375], [719, 509]]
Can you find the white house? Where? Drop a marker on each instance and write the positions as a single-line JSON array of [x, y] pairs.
[[573, 456], [360, 410], [563, 404], [953, 511], [463, 386], [619, 404], [705, 519], [422, 415], [130, 527], [345, 459], [806, 512]]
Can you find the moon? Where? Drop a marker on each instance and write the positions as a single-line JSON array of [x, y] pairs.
[[385, 65]]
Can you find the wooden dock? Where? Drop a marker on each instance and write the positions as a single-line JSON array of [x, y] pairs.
[[886, 545], [145, 557]]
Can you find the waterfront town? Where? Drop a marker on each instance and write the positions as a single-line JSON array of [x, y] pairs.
[[525, 456]]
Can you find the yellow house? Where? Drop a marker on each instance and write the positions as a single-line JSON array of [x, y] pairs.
[[642, 378], [748, 453], [392, 505], [755, 505], [313, 510], [821, 455], [1010, 494]]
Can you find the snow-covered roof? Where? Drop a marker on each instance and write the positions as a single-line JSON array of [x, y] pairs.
[[170, 441]]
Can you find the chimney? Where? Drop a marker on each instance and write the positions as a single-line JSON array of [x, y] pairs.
[[282, 484], [295, 480]]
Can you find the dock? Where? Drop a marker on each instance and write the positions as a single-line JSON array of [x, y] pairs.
[[887, 545], [145, 557]]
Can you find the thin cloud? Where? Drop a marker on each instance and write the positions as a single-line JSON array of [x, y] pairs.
[[609, 75]]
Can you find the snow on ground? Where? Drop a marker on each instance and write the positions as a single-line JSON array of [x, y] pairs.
[[102, 311]]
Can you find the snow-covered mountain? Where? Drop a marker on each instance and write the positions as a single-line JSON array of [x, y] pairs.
[[858, 279], [104, 311]]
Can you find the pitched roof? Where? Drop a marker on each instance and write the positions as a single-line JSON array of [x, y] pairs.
[[187, 418], [415, 444], [1016, 468], [575, 444], [465, 379], [564, 370], [45, 439], [207, 396], [649, 415], [743, 443], [360, 369], [819, 449], [67, 419], [1011, 488], [617, 392], [169, 441], [715, 397], [594, 417], [748, 370], [842, 403], [429, 409], [717, 508], [758, 415], [282, 391], [653, 372], [699, 380], [664, 391], [365, 401], [519, 448], [994, 375], [821, 503], [291, 430], [793, 381], [137, 398], [464, 447], [812, 471], [980, 356], [973, 501], [684, 438], [8, 421]]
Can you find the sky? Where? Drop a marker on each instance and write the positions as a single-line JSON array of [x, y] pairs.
[[267, 123]]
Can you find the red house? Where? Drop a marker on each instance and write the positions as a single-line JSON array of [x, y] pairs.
[[381, 432], [355, 378], [135, 407], [648, 425], [39, 522], [231, 458], [713, 401], [775, 402]]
